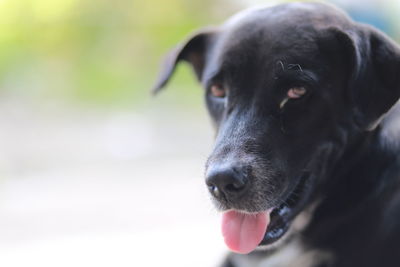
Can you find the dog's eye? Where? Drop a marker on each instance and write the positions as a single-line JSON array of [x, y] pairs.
[[217, 90], [296, 92], [293, 93]]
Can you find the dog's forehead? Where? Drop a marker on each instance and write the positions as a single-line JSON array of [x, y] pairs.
[[266, 35], [281, 21], [290, 14]]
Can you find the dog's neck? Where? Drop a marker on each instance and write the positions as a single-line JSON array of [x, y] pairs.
[[354, 192], [351, 175]]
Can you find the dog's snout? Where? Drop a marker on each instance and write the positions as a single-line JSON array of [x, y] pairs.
[[226, 181]]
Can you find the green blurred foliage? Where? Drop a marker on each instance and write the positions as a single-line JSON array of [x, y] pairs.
[[99, 51]]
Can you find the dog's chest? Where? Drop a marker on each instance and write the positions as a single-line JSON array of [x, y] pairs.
[[293, 254]]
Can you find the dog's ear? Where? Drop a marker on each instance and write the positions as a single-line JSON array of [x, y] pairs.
[[374, 84], [193, 50], [377, 87]]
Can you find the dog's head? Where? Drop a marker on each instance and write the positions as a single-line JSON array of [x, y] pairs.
[[288, 89]]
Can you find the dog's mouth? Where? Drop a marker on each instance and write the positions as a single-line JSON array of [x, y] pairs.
[[244, 232]]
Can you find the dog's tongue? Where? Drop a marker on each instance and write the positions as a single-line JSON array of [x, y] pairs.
[[243, 232]]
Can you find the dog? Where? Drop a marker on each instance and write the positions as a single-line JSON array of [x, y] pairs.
[[306, 164]]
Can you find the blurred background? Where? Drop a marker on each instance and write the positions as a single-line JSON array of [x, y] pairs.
[[93, 170]]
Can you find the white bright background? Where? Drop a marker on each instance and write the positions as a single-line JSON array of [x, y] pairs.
[[89, 188]]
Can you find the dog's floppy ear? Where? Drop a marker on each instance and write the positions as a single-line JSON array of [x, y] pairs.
[[375, 82], [193, 50]]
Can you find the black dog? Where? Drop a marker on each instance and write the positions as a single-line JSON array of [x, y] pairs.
[[306, 162]]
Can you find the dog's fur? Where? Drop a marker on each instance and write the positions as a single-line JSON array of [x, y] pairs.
[[343, 134]]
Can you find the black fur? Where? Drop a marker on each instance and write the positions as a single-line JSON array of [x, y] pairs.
[[336, 141]]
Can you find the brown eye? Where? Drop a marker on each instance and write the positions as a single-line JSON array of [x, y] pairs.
[[218, 90], [296, 92], [293, 93]]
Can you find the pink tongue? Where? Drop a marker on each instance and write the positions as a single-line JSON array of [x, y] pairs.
[[243, 232]]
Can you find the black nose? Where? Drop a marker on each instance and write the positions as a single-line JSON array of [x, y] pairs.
[[226, 181]]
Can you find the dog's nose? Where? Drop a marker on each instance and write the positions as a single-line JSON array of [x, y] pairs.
[[226, 181]]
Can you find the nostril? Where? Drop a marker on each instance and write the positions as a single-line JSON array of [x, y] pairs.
[[215, 191], [225, 181]]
